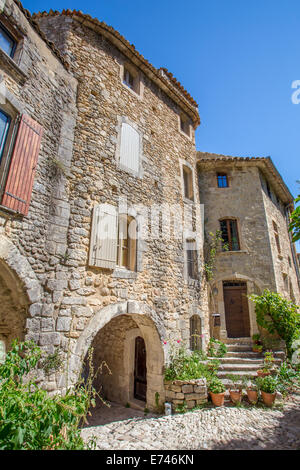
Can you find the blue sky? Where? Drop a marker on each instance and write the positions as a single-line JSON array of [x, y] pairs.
[[238, 59]]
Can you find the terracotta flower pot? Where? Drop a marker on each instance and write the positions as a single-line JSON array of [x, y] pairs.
[[217, 398], [235, 395], [260, 373], [256, 349], [252, 395], [268, 398]]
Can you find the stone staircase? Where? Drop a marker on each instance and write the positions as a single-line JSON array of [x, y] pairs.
[[241, 360]]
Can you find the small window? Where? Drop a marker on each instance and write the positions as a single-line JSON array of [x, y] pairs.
[[222, 180], [188, 182], [269, 191], [276, 234], [7, 43], [230, 235], [195, 333], [5, 121], [126, 251], [185, 124], [192, 259], [128, 79]]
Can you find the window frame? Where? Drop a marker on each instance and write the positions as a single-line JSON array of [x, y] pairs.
[[195, 339], [192, 265], [12, 38], [222, 175], [229, 234], [126, 244]]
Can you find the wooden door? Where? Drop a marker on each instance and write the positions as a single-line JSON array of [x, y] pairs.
[[140, 370], [236, 309]]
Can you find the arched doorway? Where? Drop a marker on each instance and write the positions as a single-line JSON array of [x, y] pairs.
[[128, 355]]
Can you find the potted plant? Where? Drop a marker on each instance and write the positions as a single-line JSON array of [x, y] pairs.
[[268, 388], [217, 391], [236, 390], [252, 391], [268, 365], [256, 346]]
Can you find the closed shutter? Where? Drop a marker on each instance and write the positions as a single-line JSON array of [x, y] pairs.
[[19, 183], [103, 244], [130, 148]]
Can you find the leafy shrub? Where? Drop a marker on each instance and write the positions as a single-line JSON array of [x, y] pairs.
[[267, 384], [288, 378], [277, 315], [216, 348], [216, 386], [185, 366], [29, 418]]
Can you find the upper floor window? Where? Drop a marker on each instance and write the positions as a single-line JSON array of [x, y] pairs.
[[187, 174], [230, 236], [185, 124], [5, 121], [7, 42], [20, 138], [131, 78], [192, 259], [113, 239], [130, 148], [222, 180], [276, 234], [128, 79]]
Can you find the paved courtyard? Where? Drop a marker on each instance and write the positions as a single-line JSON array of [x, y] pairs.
[[228, 427]]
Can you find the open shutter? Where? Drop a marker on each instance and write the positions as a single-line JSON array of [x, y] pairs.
[[19, 183], [130, 148], [103, 244]]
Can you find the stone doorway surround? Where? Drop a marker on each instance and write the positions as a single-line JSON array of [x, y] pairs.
[[218, 305], [149, 327]]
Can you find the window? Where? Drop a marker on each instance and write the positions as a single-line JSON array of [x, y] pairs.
[[187, 174], [20, 138], [113, 239], [222, 180], [195, 333], [130, 148], [7, 43], [128, 79], [230, 235], [269, 190], [131, 78], [276, 234], [126, 256], [184, 124], [5, 121], [192, 259]]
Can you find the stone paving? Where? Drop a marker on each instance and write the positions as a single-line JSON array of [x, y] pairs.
[[228, 427]]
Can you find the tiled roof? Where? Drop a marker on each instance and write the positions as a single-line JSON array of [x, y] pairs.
[[162, 75], [264, 162]]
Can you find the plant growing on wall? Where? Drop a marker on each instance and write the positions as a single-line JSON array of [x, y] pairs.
[[278, 315], [295, 220], [211, 247], [216, 348]]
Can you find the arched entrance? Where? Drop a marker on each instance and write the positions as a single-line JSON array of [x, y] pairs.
[[127, 348]]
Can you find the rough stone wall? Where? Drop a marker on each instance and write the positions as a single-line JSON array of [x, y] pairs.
[[189, 393], [37, 83], [96, 178]]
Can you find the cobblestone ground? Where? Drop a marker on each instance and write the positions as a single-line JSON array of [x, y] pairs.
[[227, 427]]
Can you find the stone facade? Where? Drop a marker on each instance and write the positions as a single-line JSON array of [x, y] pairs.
[[68, 74], [256, 198]]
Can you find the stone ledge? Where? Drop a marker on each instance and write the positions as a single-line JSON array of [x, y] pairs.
[[12, 68]]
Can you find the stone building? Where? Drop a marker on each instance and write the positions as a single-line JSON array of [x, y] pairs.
[[101, 228], [248, 202]]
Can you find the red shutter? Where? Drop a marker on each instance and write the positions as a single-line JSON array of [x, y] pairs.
[[19, 183]]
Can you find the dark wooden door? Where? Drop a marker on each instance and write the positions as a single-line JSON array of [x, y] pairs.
[[236, 309], [140, 370]]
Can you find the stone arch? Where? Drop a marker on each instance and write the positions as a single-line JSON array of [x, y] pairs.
[[19, 289], [217, 301], [147, 324]]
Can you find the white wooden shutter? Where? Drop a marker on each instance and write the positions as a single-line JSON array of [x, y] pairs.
[[104, 233], [130, 147]]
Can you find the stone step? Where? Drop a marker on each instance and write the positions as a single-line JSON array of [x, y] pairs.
[[222, 374], [238, 341], [240, 367], [238, 347], [228, 383], [244, 360], [251, 354]]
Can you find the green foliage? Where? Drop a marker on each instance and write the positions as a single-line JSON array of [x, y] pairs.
[[216, 386], [267, 384], [295, 222], [256, 338], [185, 366], [181, 408], [288, 378], [216, 348], [52, 362], [211, 248], [29, 418], [237, 381], [277, 315]]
